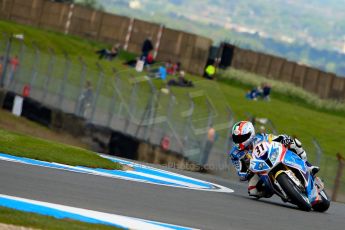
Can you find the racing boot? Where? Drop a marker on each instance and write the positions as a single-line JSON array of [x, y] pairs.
[[257, 189]]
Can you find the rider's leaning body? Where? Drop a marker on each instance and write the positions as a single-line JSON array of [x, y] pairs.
[[244, 138]]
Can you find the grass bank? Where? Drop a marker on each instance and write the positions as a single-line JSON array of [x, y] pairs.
[[39, 149], [31, 220]]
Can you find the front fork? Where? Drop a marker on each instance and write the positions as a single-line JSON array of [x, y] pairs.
[[278, 189]]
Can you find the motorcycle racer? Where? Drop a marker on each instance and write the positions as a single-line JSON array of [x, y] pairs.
[[244, 138]]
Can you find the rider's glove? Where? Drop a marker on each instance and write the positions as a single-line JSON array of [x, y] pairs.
[[246, 176], [287, 141]]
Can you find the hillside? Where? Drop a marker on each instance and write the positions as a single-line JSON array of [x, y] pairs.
[[295, 29]]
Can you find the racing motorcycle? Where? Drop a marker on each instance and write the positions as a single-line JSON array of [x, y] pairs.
[[284, 173]]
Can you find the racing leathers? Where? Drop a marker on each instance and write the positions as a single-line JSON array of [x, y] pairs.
[[241, 159]]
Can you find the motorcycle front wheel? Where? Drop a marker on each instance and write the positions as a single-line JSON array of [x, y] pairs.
[[324, 204], [293, 192]]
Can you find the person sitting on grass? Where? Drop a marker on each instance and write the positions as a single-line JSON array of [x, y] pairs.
[[181, 81], [109, 54], [266, 90]]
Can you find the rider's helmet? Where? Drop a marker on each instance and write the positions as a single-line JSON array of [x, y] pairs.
[[243, 133]]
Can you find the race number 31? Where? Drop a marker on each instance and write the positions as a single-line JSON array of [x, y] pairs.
[[260, 149]]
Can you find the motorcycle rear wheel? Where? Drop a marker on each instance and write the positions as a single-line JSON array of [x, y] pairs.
[[293, 192]]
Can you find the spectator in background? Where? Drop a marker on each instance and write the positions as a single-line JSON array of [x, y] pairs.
[[254, 94], [262, 91], [210, 71], [177, 67], [162, 72], [14, 63], [170, 68], [85, 99], [173, 69], [109, 54], [266, 90], [149, 60], [211, 138], [181, 81], [146, 47], [1, 65]]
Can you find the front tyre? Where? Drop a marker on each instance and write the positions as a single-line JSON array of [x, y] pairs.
[[293, 192], [324, 204]]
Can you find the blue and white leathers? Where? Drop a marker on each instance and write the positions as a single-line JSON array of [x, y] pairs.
[[237, 156], [284, 173]]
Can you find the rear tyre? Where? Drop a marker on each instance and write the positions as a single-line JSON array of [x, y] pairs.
[[324, 204], [293, 192]]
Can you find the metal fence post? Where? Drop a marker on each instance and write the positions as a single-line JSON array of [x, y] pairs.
[[17, 73], [228, 143], [188, 124], [172, 101], [78, 105], [319, 151], [112, 101], [130, 106], [64, 82], [148, 113], [35, 65], [5, 61], [341, 161], [117, 88], [133, 98], [207, 145], [50, 70], [98, 91]]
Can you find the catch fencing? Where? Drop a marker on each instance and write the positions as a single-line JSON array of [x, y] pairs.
[[134, 103]]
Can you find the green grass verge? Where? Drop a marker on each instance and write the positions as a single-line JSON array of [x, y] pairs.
[[32, 220], [39, 149]]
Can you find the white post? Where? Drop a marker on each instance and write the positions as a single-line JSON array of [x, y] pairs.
[[158, 42], [17, 106], [69, 18], [129, 33]]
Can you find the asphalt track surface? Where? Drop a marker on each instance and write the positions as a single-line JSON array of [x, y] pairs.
[[190, 208]]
